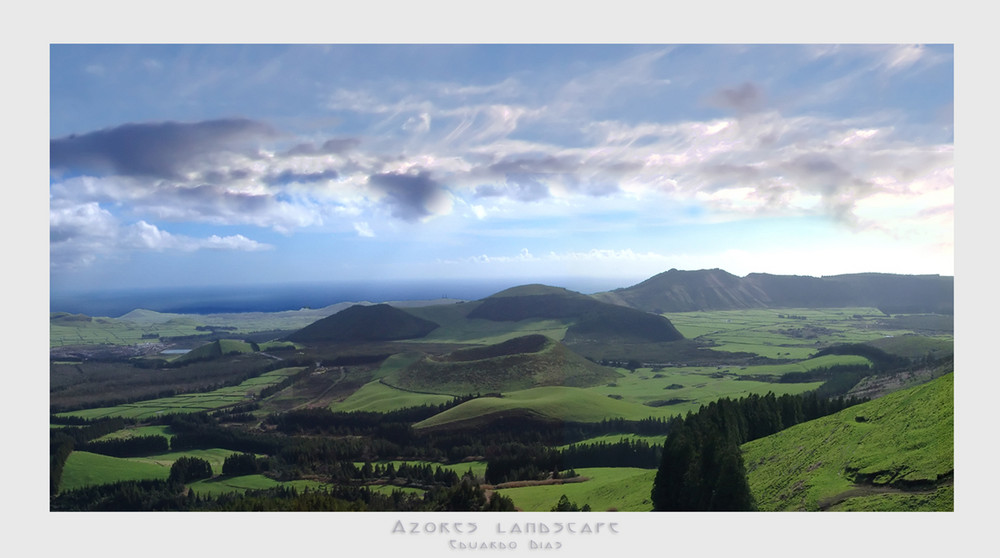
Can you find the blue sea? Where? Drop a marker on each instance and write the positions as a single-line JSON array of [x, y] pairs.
[[276, 298]]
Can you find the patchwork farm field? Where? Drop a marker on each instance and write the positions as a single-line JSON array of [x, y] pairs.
[[189, 403], [73, 329], [796, 333]]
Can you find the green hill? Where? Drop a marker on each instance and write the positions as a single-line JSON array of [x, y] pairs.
[[215, 349], [892, 453], [361, 323], [64, 318], [543, 403], [592, 319], [520, 363]]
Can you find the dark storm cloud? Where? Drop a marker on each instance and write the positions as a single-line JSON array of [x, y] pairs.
[[412, 196], [746, 97], [161, 149], [329, 147]]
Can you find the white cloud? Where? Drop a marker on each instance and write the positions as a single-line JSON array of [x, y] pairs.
[[428, 147], [420, 124], [900, 57], [81, 235]]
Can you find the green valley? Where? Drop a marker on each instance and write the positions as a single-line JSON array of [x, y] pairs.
[[535, 398]]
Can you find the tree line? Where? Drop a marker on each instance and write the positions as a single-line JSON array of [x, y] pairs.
[[702, 469]]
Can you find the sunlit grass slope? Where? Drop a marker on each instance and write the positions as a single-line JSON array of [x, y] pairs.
[[83, 468], [558, 403], [895, 452], [377, 397], [87, 469]]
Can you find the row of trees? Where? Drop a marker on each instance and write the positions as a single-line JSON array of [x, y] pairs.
[[172, 495], [129, 447], [702, 469]]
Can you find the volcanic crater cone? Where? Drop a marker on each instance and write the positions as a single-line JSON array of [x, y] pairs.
[[520, 363]]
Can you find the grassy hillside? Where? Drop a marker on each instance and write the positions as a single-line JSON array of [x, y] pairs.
[[216, 349], [895, 452], [556, 403], [517, 364], [378, 397], [89, 469], [685, 291], [379, 322]]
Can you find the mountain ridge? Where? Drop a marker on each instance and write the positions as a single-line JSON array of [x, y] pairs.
[[715, 289]]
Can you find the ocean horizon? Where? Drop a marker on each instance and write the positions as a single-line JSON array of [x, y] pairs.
[[293, 296]]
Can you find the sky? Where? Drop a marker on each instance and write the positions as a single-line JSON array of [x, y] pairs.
[[243, 164]]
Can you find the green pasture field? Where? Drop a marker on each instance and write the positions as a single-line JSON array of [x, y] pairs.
[[189, 403], [376, 396], [129, 329], [99, 331], [84, 469], [567, 403], [87, 469], [700, 385], [825, 361], [629, 397], [224, 485], [688, 388], [795, 333], [608, 488]]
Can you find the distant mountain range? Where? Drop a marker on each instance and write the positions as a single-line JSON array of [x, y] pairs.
[[715, 289]]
